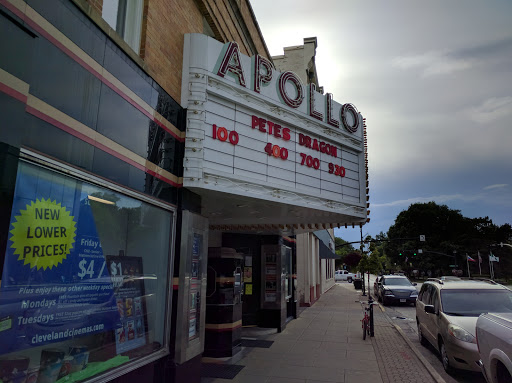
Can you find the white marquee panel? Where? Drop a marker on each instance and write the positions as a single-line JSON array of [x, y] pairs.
[[348, 191], [331, 186], [307, 188], [249, 174], [281, 181], [218, 158], [221, 100], [328, 194], [347, 182], [305, 180], [250, 166], [351, 166], [251, 154]]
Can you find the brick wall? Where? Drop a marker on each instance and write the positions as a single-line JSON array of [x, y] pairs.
[[254, 30], [165, 22], [97, 5]]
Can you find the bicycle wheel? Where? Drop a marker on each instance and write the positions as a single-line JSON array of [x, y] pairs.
[[365, 328]]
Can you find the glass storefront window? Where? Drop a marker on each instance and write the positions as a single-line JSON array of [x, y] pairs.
[[85, 279]]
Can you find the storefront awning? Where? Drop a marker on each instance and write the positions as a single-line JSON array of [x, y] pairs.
[[325, 252]]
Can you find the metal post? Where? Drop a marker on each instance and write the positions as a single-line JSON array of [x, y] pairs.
[[369, 295], [362, 255], [370, 301]]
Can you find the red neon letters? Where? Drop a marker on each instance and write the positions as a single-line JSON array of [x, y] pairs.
[[222, 134], [319, 146], [271, 128], [276, 130]]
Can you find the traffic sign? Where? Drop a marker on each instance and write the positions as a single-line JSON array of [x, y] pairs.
[[453, 265]]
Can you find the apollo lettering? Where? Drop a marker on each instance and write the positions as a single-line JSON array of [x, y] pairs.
[[263, 73]]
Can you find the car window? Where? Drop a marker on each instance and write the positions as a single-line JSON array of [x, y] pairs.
[[473, 302], [396, 282], [426, 297], [422, 290], [433, 295], [434, 298]]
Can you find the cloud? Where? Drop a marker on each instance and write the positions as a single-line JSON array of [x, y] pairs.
[[495, 186], [491, 109], [490, 50], [433, 63], [437, 199]]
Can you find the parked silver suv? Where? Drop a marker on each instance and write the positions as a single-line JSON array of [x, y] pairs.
[[446, 315]]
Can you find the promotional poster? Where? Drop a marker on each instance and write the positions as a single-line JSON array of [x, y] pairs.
[[55, 281]]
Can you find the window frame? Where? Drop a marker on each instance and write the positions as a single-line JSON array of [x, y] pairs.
[[34, 158], [126, 12]]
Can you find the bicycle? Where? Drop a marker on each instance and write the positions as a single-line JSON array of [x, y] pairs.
[[367, 321]]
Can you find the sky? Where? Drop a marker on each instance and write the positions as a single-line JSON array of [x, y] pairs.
[[433, 80]]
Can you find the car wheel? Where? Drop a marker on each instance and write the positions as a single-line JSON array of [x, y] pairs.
[[349, 280], [384, 301], [444, 357], [422, 339], [502, 373]]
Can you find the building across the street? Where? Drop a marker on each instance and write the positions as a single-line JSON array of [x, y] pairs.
[[163, 185]]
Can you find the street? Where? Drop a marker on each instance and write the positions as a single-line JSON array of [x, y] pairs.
[[404, 317]]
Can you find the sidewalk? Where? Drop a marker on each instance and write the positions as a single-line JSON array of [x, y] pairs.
[[325, 344]]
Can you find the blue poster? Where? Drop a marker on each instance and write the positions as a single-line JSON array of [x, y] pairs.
[[55, 284]]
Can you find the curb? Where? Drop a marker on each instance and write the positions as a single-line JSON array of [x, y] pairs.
[[435, 375]]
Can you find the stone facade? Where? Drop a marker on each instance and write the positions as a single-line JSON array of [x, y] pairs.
[[300, 59]]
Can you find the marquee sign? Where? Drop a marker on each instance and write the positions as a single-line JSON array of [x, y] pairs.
[[255, 132]]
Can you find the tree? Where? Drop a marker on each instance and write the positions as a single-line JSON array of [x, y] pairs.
[[352, 259], [449, 235], [377, 248], [343, 248], [370, 263]]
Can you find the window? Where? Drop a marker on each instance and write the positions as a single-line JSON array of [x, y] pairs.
[[426, 295], [435, 299], [476, 301], [396, 282], [125, 17], [85, 277]]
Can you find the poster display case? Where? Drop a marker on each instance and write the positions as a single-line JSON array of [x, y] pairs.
[[85, 277], [192, 291], [272, 278]]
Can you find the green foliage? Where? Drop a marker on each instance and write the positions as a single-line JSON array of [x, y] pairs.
[[342, 246], [352, 259], [343, 249], [370, 263]]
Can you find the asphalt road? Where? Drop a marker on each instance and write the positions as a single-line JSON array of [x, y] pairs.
[[405, 317]]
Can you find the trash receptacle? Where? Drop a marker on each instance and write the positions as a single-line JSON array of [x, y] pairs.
[[358, 284]]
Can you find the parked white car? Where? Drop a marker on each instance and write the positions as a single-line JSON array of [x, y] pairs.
[[344, 275], [494, 338]]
